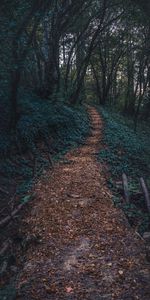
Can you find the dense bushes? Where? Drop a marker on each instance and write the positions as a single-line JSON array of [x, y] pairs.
[[41, 125], [126, 152], [38, 119]]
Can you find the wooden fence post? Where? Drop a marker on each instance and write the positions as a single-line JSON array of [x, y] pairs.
[[125, 187], [145, 192]]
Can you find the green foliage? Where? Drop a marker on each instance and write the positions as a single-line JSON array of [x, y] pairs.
[[40, 121], [8, 292], [26, 198], [25, 186], [137, 216], [58, 122], [127, 152]]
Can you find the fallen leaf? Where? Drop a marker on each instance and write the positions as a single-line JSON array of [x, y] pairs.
[[120, 272], [109, 264], [69, 289]]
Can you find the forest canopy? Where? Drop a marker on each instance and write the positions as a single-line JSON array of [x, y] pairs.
[[70, 51]]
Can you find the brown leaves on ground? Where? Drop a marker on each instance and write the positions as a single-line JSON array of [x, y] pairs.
[[86, 250]]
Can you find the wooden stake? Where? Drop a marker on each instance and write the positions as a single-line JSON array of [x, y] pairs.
[[125, 187], [146, 193]]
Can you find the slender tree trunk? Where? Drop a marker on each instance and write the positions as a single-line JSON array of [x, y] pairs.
[[16, 75], [98, 89], [52, 74]]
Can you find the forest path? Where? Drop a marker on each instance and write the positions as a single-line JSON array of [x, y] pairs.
[[86, 249]]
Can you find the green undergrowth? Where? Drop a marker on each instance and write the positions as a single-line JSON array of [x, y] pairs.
[[54, 127], [127, 152]]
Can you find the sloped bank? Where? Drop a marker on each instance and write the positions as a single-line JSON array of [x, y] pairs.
[[127, 152]]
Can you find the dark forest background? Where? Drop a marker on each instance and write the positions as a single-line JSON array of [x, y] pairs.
[[69, 51]]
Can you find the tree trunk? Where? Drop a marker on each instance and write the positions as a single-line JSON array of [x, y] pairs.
[[16, 75], [52, 74]]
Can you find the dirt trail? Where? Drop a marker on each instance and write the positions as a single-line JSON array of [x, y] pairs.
[[86, 249]]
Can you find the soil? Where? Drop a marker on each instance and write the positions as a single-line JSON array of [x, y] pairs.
[[84, 247]]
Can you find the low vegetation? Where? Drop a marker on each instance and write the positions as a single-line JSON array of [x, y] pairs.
[[43, 129], [127, 152]]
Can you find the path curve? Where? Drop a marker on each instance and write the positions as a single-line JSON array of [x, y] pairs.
[[86, 250]]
